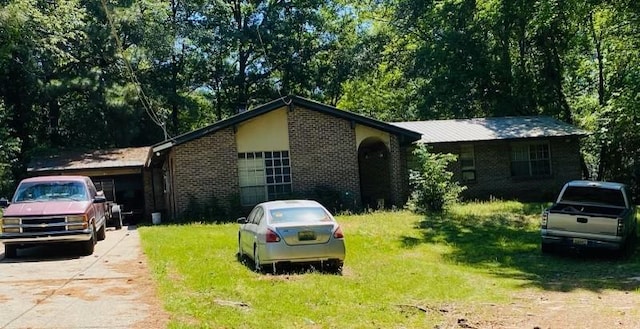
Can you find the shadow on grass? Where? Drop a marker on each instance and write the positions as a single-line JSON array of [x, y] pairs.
[[290, 268], [508, 245]]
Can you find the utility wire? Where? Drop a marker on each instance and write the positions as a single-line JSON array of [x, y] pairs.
[[266, 59], [146, 103]]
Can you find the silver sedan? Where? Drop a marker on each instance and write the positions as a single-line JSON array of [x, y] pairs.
[[291, 231]]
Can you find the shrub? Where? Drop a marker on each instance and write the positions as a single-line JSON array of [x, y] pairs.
[[432, 185], [334, 200]]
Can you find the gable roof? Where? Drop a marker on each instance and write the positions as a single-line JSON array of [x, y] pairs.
[[485, 129], [406, 135], [73, 160]]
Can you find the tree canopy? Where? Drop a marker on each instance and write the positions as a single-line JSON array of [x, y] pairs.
[[113, 73]]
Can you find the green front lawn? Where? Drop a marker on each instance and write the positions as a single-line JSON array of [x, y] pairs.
[[400, 269]]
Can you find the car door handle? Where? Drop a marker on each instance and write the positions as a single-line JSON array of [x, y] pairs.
[[582, 220]]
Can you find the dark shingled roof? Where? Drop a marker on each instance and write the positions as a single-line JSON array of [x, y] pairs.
[[69, 160]]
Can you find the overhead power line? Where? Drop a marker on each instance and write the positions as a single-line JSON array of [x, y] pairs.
[[146, 102]]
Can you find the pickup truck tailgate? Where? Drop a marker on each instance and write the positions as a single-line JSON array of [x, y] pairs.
[[582, 223]]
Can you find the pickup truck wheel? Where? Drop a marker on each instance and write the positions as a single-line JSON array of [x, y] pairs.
[[87, 247], [546, 248], [10, 251], [116, 216], [102, 233]]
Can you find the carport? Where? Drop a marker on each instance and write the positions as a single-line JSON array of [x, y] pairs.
[[119, 172]]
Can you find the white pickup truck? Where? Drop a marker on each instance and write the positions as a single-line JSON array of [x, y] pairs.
[[590, 214]]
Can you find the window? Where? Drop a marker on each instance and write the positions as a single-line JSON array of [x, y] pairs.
[[528, 160], [264, 176], [467, 163], [252, 178]]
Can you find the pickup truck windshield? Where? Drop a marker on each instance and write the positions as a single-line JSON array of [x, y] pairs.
[[48, 191], [588, 194]]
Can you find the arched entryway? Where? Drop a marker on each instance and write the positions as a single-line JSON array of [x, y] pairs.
[[375, 179]]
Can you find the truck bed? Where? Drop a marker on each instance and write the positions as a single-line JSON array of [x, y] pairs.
[[569, 219], [587, 210]]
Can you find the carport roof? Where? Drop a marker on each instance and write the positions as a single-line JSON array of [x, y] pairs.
[[75, 160], [485, 129]]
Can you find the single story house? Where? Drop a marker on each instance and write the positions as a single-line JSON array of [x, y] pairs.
[[526, 158], [290, 147], [296, 147]]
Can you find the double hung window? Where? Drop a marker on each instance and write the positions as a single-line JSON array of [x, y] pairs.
[[530, 159]]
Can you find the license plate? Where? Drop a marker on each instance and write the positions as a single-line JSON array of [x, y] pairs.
[[580, 242], [306, 235]]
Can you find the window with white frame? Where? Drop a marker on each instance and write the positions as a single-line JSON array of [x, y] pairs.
[[530, 159], [467, 163], [264, 176]]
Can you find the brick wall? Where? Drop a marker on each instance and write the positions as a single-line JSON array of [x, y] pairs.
[[493, 171], [206, 168], [405, 189], [323, 152], [154, 191], [398, 173]]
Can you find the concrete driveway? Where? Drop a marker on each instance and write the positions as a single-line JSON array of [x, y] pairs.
[[53, 287]]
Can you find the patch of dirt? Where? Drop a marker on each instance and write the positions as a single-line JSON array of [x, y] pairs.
[[548, 309], [77, 292], [142, 282]]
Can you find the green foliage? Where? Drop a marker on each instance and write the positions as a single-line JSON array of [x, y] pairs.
[[335, 201], [208, 211], [71, 78], [9, 148], [433, 186]]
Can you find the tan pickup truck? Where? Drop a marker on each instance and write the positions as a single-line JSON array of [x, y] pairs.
[[590, 214], [53, 209]]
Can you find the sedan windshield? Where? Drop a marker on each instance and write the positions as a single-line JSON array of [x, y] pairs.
[[47, 191], [290, 215]]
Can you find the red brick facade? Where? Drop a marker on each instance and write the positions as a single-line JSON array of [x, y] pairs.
[[204, 169], [493, 172], [323, 153]]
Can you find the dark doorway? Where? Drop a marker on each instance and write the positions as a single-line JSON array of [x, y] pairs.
[[125, 190], [375, 181]]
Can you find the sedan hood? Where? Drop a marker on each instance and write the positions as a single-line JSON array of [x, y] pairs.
[[46, 208]]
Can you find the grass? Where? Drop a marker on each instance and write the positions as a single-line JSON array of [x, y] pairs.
[[400, 269]]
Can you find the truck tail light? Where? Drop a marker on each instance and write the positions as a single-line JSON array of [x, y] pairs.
[[338, 233], [620, 230], [545, 218]]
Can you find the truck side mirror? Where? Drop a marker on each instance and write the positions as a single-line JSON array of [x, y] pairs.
[[242, 220], [4, 202], [99, 199]]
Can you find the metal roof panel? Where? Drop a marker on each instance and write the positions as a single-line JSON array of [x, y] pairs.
[[484, 129]]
